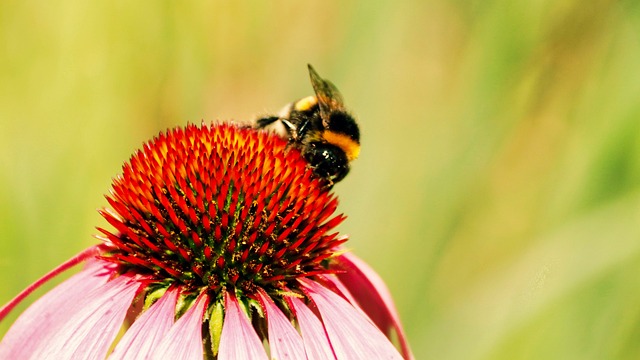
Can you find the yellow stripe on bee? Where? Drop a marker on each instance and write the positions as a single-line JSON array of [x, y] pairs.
[[306, 103], [347, 144]]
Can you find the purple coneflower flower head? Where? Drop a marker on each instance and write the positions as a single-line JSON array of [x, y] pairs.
[[222, 248]]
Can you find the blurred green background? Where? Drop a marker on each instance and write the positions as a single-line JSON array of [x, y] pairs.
[[498, 189]]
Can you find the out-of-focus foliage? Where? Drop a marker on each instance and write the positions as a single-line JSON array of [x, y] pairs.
[[498, 186]]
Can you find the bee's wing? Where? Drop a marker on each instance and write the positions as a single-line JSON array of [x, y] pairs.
[[327, 94]]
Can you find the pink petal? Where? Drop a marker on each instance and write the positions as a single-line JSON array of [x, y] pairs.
[[284, 340], [184, 339], [83, 256], [43, 318], [373, 296], [147, 331], [239, 341], [92, 322], [352, 335], [334, 284], [314, 337]]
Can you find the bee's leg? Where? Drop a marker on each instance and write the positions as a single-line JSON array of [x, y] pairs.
[[266, 121], [291, 129], [296, 132], [327, 185], [302, 129], [278, 125]]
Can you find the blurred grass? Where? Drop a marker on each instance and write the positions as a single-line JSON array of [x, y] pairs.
[[498, 186]]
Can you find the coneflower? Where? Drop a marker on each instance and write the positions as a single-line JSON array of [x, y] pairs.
[[222, 248]]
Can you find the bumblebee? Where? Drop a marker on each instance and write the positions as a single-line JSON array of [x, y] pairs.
[[320, 126]]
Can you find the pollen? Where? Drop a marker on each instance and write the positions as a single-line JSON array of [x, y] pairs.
[[306, 104], [220, 205]]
